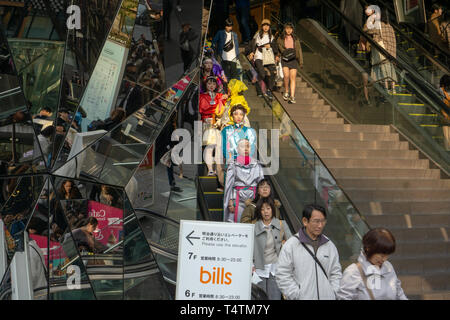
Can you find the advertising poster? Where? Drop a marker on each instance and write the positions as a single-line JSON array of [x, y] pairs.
[[104, 84], [57, 254], [110, 222], [214, 260]]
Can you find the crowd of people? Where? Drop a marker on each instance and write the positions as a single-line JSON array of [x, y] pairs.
[[304, 265]]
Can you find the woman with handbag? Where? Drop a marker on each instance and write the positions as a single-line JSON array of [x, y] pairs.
[[270, 235], [383, 34], [264, 52], [211, 106], [372, 277], [291, 58]]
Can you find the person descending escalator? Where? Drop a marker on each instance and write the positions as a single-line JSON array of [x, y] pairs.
[[264, 54]]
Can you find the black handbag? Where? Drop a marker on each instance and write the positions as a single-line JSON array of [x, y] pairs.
[[229, 45], [288, 55]]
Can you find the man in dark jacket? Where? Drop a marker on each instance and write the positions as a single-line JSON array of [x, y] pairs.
[[187, 37], [226, 46]]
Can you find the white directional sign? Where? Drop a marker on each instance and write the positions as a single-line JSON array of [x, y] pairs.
[[214, 261]]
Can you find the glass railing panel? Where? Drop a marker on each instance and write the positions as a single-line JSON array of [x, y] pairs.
[[39, 63]]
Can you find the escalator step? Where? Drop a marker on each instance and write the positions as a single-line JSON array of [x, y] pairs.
[[216, 214], [430, 125], [411, 104], [422, 114]]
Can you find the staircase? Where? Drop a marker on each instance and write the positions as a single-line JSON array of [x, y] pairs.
[[389, 183]]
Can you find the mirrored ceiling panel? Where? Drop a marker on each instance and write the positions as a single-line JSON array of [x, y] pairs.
[[103, 87], [89, 25], [20, 150], [178, 32], [114, 158], [36, 31]]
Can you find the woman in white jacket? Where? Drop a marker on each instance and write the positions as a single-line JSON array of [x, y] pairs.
[[372, 277]]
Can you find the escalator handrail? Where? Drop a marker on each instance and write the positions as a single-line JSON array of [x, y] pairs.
[[431, 93]]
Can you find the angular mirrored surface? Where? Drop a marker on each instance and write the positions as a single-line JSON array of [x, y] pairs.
[[39, 247], [36, 32], [94, 214], [16, 212], [89, 24], [5, 286], [143, 279], [179, 37], [114, 158], [68, 279], [20, 150], [103, 86]]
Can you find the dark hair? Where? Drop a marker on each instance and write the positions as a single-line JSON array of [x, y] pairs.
[[444, 82], [261, 32], [62, 191], [307, 211], [269, 201], [210, 78], [238, 107], [263, 181], [228, 22], [92, 221], [48, 131], [118, 115], [436, 6], [46, 109], [378, 240]]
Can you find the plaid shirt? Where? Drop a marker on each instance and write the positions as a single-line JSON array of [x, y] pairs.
[[388, 37], [389, 40]]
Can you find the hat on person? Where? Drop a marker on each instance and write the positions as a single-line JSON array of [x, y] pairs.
[[228, 22], [265, 21]]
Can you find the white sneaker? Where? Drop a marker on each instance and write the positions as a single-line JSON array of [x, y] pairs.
[[286, 96]]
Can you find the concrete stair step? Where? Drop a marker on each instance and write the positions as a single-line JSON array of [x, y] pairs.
[[368, 154], [359, 145], [301, 101], [376, 163], [421, 266], [421, 234], [384, 173], [397, 195], [345, 127], [417, 286], [298, 119], [438, 295], [300, 94], [402, 207], [353, 136], [312, 114], [405, 184], [409, 221]]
